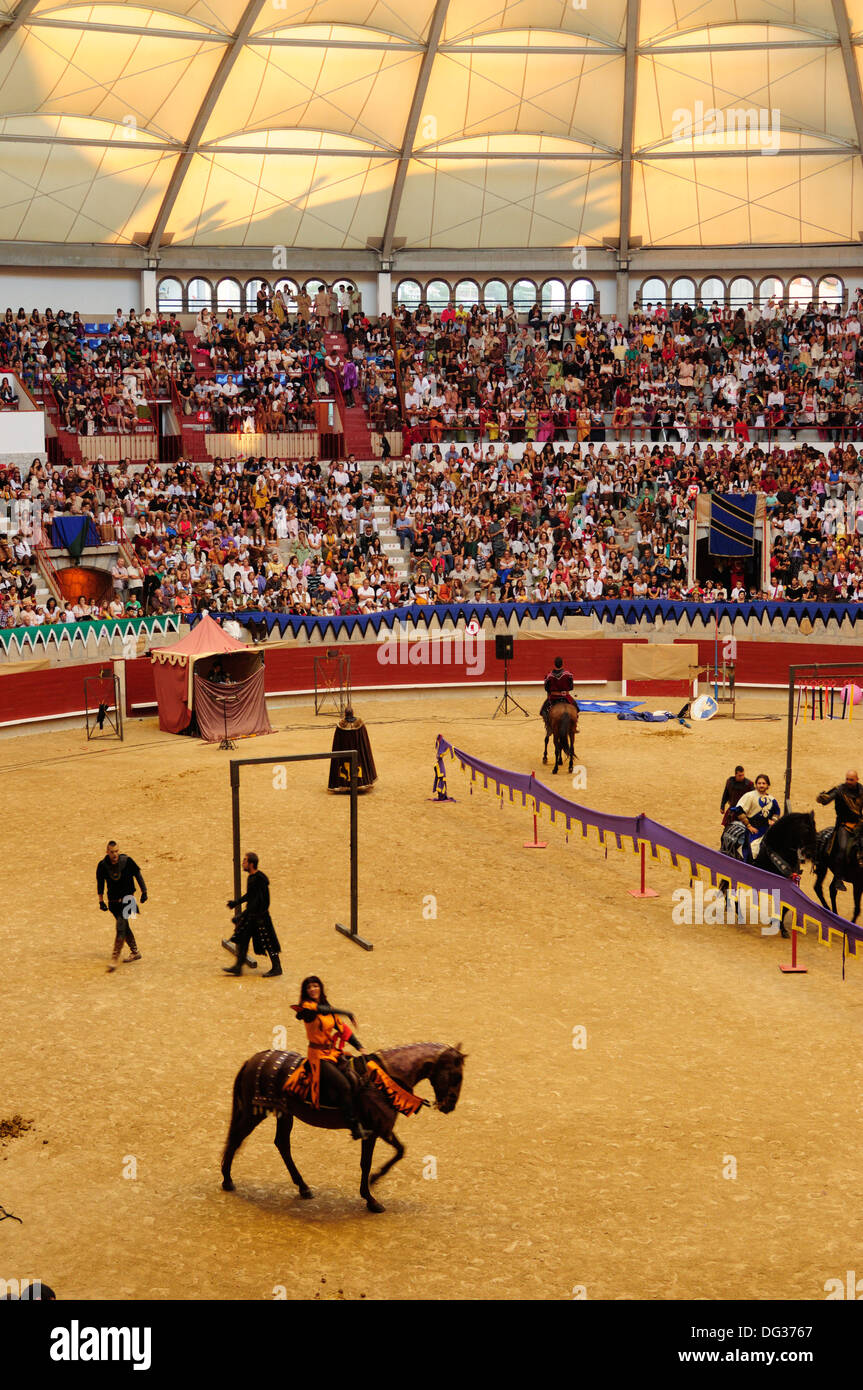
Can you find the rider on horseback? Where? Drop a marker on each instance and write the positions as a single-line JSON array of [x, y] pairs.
[[847, 798], [329, 1031], [758, 810], [558, 684]]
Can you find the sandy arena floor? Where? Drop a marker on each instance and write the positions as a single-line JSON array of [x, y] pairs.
[[600, 1167]]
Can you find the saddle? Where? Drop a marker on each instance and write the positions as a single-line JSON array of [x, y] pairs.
[[733, 839]]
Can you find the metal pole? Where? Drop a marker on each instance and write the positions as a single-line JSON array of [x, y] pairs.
[[235, 822], [352, 933], [792, 676], [350, 756], [354, 846]]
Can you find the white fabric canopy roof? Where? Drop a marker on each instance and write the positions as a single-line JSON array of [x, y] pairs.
[[463, 124]]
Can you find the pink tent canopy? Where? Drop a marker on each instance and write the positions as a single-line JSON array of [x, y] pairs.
[[181, 689]]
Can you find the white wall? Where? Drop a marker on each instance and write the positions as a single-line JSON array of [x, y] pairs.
[[94, 293], [22, 431]]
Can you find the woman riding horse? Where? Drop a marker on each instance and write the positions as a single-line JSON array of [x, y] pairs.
[[329, 1032]]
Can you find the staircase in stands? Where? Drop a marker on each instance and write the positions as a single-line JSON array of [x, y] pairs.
[[358, 434], [62, 446], [194, 438], [393, 552]]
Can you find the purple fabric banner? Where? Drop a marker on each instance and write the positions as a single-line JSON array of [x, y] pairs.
[[693, 858]]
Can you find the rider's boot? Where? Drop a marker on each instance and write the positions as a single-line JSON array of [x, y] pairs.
[[352, 1120]]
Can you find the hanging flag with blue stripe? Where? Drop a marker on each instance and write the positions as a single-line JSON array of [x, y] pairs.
[[732, 524]]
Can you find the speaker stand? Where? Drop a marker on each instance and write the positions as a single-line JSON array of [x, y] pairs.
[[227, 744], [506, 699]]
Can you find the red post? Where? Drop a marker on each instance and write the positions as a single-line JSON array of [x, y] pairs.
[[794, 968], [643, 892], [535, 843]]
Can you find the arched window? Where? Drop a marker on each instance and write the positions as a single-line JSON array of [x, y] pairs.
[[801, 291], [712, 288], [228, 295], [741, 292], [312, 287], [771, 287], [582, 292], [409, 294], [495, 294], [831, 290], [553, 297], [683, 291], [252, 294], [467, 293], [653, 291], [200, 294], [290, 289], [437, 295], [524, 296], [170, 296]]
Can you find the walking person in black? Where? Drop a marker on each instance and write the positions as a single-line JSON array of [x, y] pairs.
[[734, 788], [255, 924], [119, 873]]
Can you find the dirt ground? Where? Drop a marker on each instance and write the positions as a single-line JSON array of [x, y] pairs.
[[607, 1167]]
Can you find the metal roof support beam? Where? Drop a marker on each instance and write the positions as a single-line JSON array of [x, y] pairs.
[[196, 134], [630, 78], [648, 156], [435, 31], [852, 73], [135, 31], [22, 13], [555, 50], [670, 50]]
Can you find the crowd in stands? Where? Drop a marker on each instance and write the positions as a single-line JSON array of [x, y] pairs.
[[680, 374], [521, 477], [251, 372]]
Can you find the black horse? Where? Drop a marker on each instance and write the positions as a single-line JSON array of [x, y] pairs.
[[561, 724], [259, 1091], [844, 863], [784, 847]]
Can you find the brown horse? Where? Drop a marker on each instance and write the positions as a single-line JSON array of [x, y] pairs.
[[259, 1091], [561, 724]]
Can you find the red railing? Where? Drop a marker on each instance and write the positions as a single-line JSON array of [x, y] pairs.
[[48, 569]]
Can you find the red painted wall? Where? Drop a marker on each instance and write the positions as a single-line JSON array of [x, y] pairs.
[[46, 694]]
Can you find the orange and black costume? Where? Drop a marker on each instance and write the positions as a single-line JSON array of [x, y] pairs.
[[328, 1031], [322, 1078]]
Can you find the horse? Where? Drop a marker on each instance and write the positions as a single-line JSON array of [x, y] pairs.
[[783, 848], [259, 1091], [847, 864], [561, 724]]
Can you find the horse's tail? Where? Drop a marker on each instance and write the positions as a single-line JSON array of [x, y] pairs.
[[237, 1106], [242, 1095]]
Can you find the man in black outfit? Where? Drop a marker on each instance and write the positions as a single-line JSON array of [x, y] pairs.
[[255, 924], [847, 798], [119, 873], [734, 788]]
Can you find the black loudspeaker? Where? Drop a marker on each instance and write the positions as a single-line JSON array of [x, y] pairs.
[[503, 646]]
